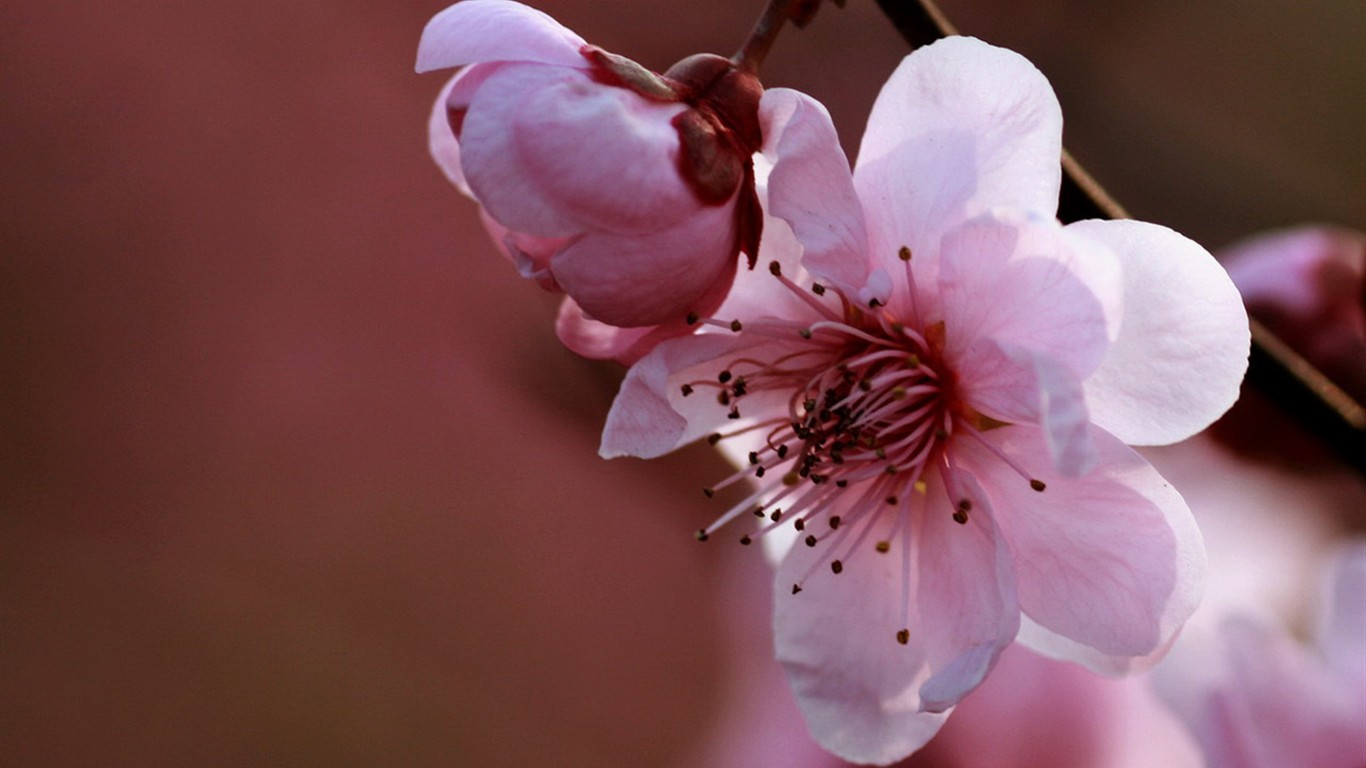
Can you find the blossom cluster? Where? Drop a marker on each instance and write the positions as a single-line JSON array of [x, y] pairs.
[[929, 386]]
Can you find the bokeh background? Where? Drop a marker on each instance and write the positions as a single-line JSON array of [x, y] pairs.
[[292, 470]]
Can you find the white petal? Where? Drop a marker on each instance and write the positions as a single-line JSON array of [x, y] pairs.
[[1182, 348]]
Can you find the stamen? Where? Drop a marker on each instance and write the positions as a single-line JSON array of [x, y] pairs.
[[1035, 483]]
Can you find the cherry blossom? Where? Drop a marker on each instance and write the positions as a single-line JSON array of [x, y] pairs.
[[930, 384], [1256, 698], [631, 192]]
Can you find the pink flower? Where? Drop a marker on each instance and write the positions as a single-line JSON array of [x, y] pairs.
[[931, 390], [629, 191], [1258, 699], [1308, 284]]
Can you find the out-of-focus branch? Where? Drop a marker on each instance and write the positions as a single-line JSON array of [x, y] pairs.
[[1276, 370]]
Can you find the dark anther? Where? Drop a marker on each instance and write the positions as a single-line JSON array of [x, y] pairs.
[[836, 566], [735, 325], [723, 376], [701, 535], [775, 268], [759, 471], [753, 457], [795, 587], [759, 512], [693, 318], [834, 522], [903, 636], [714, 438], [883, 546], [805, 333], [723, 397], [874, 303], [800, 523], [782, 451], [776, 515], [891, 500], [734, 413], [745, 540], [687, 390], [904, 253], [965, 505], [811, 541], [1037, 485], [960, 517], [710, 492], [818, 289], [842, 483]]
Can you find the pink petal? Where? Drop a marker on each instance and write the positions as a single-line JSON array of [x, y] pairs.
[[651, 416], [968, 608], [960, 128], [1110, 564], [441, 141], [598, 341], [636, 280], [551, 152], [1027, 285], [812, 189], [1344, 626], [496, 30], [1182, 348], [857, 687]]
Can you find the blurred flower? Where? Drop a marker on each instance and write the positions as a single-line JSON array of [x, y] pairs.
[[1255, 698], [936, 366], [1308, 284], [630, 191]]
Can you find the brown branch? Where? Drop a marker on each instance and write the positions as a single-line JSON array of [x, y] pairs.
[[1276, 370]]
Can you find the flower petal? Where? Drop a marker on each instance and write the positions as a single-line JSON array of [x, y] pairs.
[[441, 141], [1344, 622], [599, 341], [651, 416], [812, 189], [496, 30], [1183, 345], [1029, 285], [960, 128], [636, 280], [968, 608], [1110, 564], [857, 687], [550, 152]]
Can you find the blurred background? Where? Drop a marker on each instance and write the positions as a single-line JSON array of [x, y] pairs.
[[292, 469]]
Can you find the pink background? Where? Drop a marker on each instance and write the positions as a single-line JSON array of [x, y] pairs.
[[293, 470]]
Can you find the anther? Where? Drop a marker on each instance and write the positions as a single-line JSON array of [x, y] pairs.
[[960, 517], [776, 515], [782, 451], [745, 540], [818, 289], [874, 303], [795, 587], [734, 413], [965, 505], [791, 479], [687, 389], [713, 438], [805, 333], [903, 636], [701, 535], [811, 540], [693, 318], [836, 566], [867, 386], [834, 522], [891, 500], [883, 546], [723, 376], [800, 523], [842, 483], [775, 269], [759, 471], [1037, 485], [759, 512], [904, 253], [710, 492], [753, 457], [735, 326]]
